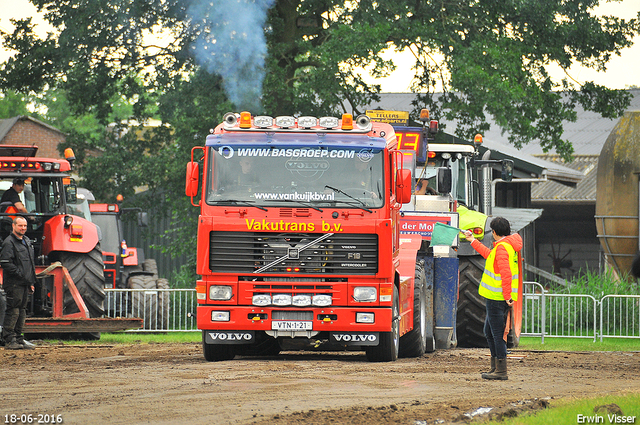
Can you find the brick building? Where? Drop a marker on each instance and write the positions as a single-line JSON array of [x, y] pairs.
[[24, 130]]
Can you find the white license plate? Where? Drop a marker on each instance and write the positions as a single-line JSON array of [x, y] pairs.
[[290, 325]]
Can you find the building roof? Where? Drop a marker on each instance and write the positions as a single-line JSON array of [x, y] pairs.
[[583, 192], [7, 124]]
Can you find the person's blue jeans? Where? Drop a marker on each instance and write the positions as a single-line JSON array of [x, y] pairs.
[[494, 324]]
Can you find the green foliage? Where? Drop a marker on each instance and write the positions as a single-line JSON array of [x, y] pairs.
[[599, 285], [12, 104]]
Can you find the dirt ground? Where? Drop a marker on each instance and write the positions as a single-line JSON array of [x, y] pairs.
[[172, 383]]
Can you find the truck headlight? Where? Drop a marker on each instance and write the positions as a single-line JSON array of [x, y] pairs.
[[365, 318], [301, 300], [220, 293], [365, 294], [321, 300], [220, 316], [281, 299], [261, 300]]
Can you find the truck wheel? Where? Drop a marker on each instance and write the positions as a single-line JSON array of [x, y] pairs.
[[144, 304], [414, 342], [471, 306], [150, 265], [87, 272], [389, 344], [216, 352]]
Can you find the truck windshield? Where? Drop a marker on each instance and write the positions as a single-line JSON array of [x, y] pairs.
[[282, 175]]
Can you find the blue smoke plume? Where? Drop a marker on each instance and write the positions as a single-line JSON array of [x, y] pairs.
[[232, 44]]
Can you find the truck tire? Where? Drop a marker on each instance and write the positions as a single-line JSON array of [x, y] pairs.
[[87, 272], [414, 342], [150, 265], [389, 344], [217, 352]]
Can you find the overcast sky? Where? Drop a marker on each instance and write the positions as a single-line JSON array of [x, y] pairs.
[[623, 71]]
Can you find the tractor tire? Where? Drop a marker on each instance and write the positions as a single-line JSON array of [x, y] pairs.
[[217, 352], [150, 265], [389, 344], [87, 272], [144, 304], [471, 306], [164, 305], [414, 342]]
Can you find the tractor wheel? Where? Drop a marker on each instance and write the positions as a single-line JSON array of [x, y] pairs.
[[388, 346], [87, 272], [144, 304], [471, 306], [414, 342], [150, 265], [217, 352], [164, 305]]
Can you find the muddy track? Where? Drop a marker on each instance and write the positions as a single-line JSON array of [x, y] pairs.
[[172, 383]]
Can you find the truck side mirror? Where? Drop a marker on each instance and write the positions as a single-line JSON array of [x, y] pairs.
[[403, 186], [443, 180], [143, 219], [507, 170], [193, 177]]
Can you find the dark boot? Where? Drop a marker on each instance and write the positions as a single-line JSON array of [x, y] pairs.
[[500, 372], [493, 365]]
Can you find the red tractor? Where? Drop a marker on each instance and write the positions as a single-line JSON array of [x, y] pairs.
[[70, 284], [127, 267]]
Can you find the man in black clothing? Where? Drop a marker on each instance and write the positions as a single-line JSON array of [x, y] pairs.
[[19, 277], [13, 195]]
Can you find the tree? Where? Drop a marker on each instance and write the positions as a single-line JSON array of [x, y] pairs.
[[12, 104], [493, 56]]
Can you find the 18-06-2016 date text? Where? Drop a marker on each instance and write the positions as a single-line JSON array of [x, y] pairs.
[[29, 418]]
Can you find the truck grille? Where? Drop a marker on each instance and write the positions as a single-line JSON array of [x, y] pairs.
[[248, 252]]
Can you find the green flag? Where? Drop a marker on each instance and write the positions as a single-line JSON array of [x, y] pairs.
[[443, 234]]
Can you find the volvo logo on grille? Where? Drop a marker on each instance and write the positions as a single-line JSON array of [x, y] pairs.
[[229, 337], [294, 253], [343, 338]]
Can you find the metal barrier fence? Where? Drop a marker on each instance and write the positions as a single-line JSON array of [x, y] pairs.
[[620, 316], [543, 314], [162, 310], [576, 315]]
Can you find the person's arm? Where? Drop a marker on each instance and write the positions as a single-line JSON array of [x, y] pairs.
[[501, 266], [20, 207], [477, 245], [6, 260]]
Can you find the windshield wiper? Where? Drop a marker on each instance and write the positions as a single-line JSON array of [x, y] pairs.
[[306, 204], [360, 204], [247, 203]]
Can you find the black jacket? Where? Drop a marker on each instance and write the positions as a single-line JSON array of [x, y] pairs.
[[17, 261]]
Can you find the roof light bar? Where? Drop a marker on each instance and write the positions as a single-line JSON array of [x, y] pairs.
[[307, 122], [285, 122], [329, 122]]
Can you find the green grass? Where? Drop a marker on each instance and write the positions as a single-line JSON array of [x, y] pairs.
[[135, 338], [567, 411], [580, 344]]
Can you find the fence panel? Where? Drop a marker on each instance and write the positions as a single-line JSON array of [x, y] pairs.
[[533, 310], [571, 316], [162, 310], [620, 316]]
